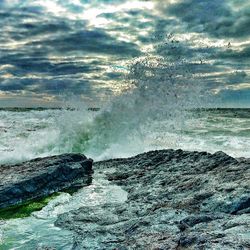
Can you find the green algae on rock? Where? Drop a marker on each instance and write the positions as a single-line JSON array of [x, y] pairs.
[[25, 209]]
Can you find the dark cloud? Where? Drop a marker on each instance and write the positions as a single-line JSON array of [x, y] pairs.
[[88, 41], [64, 35], [237, 77], [56, 86], [23, 24], [15, 84], [175, 50], [236, 54], [48, 86], [24, 64], [217, 18], [37, 65], [32, 29], [46, 53]]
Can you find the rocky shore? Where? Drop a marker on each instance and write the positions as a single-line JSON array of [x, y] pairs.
[[43, 176], [176, 200]]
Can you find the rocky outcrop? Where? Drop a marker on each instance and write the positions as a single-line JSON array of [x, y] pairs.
[[176, 200], [43, 176]]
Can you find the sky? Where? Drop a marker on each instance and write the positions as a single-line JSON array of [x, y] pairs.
[[51, 50]]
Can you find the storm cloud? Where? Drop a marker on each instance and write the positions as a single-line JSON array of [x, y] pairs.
[[221, 19], [86, 47]]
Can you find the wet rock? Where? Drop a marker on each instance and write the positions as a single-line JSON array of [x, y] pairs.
[[45, 248], [243, 204], [193, 220], [176, 200], [43, 176]]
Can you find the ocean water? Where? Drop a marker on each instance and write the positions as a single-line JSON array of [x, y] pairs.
[[109, 132], [38, 230], [103, 134]]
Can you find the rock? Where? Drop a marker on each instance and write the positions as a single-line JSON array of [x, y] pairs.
[[193, 220], [43, 176], [242, 205], [176, 200]]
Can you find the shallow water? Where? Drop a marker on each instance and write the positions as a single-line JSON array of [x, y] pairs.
[[38, 230]]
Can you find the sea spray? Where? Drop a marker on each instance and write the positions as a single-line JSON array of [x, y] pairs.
[[161, 91], [150, 114]]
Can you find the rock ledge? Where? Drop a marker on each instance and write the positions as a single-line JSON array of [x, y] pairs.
[[43, 176], [176, 200]]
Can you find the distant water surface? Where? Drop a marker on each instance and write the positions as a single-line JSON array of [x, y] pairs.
[[30, 133]]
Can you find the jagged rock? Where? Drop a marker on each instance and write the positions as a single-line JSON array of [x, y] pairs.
[[43, 176], [176, 200]]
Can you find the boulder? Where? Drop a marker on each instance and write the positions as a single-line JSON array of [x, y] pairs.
[[43, 176]]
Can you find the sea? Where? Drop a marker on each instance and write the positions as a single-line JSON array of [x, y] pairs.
[[27, 133], [104, 133]]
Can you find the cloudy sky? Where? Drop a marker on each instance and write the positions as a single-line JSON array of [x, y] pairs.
[[53, 49]]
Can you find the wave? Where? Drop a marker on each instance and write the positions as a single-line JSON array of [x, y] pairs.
[[151, 114], [111, 132]]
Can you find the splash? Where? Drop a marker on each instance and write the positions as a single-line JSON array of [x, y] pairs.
[[144, 117], [150, 114]]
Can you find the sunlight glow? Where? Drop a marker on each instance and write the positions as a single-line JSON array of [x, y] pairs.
[[52, 7], [240, 86]]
